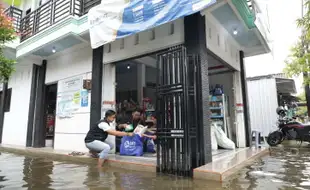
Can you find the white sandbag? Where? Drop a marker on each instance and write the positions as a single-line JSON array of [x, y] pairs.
[[140, 130], [222, 140], [213, 138]]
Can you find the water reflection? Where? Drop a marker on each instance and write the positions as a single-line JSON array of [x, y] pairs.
[[2, 178], [37, 173], [283, 170], [103, 178]]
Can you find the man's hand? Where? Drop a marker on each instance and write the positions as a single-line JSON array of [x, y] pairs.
[[130, 134], [154, 137]]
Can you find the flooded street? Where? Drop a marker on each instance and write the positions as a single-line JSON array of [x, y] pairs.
[[283, 169]]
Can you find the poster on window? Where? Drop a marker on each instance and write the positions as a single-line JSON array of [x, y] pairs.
[[116, 19], [69, 96], [84, 98]]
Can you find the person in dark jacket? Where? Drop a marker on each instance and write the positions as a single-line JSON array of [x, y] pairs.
[[96, 138], [135, 119]]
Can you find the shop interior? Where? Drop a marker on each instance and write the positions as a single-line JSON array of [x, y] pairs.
[[136, 87], [221, 108], [50, 114]]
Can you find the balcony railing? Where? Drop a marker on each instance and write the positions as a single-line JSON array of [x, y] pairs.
[[51, 13], [246, 11], [87, 4], [16, 15]]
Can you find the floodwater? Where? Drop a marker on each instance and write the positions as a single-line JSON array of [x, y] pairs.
[[282, 169]]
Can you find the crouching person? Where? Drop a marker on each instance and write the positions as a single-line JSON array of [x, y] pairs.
[[96, 138]]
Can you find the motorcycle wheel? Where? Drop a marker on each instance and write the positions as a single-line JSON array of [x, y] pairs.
[[274, 138]]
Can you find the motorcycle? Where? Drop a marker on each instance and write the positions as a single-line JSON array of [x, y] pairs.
[[288, 129]]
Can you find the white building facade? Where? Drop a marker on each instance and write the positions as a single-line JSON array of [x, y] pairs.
[[54, 49]]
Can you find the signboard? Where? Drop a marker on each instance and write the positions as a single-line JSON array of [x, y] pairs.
[[66, 105], [69, 96], [239, 108], [70, 84], [115, 19], [177, 133]]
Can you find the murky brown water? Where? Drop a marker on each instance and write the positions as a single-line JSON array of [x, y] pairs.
[[283, 170]]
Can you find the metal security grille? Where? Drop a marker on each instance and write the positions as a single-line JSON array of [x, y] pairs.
[[177, 112]]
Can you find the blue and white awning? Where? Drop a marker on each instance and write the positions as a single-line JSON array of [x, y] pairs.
[[115, 19]]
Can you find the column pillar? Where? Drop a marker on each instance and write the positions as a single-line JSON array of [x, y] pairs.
[[239, 112], [246, 113], [195, 42], [2, 107], [31, 111], [140, 82], [39, 126], [96, 87], [109, 94]]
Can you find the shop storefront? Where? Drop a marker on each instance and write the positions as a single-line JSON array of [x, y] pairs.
[[185, 74], [161, 79], [164, 74]]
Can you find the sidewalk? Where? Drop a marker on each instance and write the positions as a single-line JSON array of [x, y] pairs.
[[224, 167], [225, 162], [145, 163]]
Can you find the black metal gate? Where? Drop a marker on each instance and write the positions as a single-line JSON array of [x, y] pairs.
[[178, 113]]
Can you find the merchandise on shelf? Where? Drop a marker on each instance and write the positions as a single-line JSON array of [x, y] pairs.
[[218, 108], [148, 109], [217, 90]]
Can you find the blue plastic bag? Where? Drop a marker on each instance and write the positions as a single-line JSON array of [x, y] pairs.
[[131, 146], [150, 145], [218, 90]]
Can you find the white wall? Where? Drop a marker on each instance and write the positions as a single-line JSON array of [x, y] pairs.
[[25, 5], [239, 110], [73, 129], [163, 39], [16, 121], [221, 43], [75, 61], [108, 93], [70, 133]]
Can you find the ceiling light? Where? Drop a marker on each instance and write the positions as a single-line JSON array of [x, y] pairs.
[[235, 32], [128, 66], [54, 50]]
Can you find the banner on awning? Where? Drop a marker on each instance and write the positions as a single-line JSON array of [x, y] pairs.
[[115, 19]]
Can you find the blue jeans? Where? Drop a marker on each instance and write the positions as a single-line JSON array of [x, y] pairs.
[[102, 147]]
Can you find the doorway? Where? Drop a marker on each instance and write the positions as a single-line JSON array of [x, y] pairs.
[[136, 90], [50, 114]]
